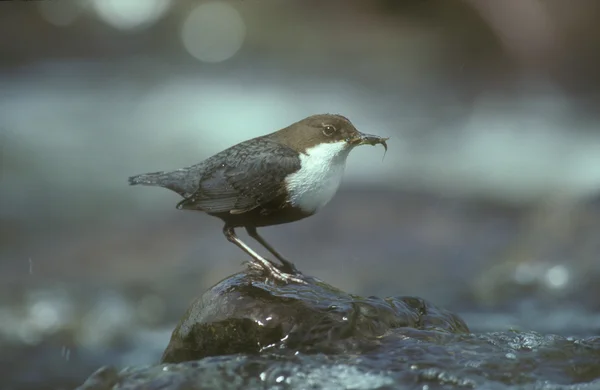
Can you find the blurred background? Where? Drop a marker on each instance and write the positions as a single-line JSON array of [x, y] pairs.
[[487, 202]]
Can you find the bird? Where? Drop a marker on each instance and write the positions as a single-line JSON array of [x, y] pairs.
[[273, 179]]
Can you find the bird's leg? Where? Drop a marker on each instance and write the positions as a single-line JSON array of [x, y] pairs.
[[288, 265], [229, 233]]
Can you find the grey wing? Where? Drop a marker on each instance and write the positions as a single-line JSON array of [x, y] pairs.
[[244, 180]]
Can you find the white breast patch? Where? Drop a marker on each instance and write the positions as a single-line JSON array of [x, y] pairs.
[[319, 176]]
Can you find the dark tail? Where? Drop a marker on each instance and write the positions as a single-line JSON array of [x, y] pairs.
[[180, 181], [148, 179]]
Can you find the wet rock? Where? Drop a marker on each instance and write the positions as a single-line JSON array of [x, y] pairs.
[[103, 378], [247, 313], [248, 332], [406, 358]]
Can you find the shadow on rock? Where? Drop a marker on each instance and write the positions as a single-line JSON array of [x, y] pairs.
[[248, 313]]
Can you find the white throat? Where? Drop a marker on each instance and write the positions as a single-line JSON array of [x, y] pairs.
[[319, 176]]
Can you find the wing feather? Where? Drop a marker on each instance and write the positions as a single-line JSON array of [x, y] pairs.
[[243, 177]]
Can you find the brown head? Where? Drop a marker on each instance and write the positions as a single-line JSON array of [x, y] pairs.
[[324, 128]]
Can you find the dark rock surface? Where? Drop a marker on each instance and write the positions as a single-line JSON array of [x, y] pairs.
[[248, 313], [249, 332]]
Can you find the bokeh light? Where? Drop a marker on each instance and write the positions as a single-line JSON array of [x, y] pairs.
[[213, 32], [130, 14]]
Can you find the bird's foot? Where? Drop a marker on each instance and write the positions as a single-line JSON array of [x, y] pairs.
[[289, 268], [277, 273]]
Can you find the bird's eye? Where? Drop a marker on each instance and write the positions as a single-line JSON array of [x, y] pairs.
[[328, 130]]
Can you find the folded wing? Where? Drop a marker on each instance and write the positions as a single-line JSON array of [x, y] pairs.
[[243, 177]]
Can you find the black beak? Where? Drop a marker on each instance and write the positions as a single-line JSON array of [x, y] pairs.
[[369, 139]]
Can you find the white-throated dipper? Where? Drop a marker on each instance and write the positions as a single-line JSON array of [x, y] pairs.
[[269, 180]]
